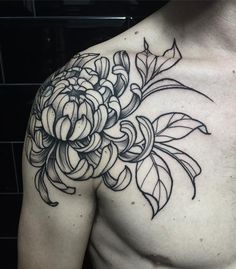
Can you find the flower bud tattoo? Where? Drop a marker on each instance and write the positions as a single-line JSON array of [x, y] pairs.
[[69, 138]]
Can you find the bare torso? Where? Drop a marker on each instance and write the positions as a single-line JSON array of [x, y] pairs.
[[143, 133]]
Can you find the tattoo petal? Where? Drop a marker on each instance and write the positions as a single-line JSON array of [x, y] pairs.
[[127, 140], [100, 119], [59, 91], [71, 111], [102, 67], [89, 75], [128, 128], [114, 112], [81, 130], [53, 173], [82, 171], [106, 85], [62, 128], [94, 143], [42, 189], [95, 97], [134, 102], [82, 59], [148, 135], [48, 119], [66, 157], [119, 184], [59, 103], [121, 70], [108, 158], [86, 110]]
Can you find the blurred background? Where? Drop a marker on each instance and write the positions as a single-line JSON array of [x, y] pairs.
[[36, 38]]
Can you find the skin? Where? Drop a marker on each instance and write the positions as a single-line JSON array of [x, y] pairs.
[[117, 226]]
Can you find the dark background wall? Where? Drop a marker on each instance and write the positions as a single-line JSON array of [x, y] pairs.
[[37, 37]]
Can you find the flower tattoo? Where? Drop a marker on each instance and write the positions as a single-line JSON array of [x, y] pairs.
[[69, 138]]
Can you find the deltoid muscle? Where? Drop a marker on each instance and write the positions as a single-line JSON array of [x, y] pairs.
[[69, 133]]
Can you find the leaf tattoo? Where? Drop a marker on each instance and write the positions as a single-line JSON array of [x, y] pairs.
[[175, 125], [155, 181], [150, 65], [68, 136]]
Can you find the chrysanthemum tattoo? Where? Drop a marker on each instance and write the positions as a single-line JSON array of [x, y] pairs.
[[75, 110]]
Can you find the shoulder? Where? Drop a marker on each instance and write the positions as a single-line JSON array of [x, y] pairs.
[[65, 138], [79, 128]]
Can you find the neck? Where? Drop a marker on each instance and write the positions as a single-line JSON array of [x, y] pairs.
[[208, 25]]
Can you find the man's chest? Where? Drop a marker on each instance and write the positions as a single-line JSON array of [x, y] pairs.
[[196, 226], [197, 233]]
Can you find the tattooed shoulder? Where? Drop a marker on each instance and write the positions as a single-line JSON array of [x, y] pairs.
[[69, 136]]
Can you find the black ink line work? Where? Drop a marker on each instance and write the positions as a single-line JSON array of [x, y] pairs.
[[68, 136]]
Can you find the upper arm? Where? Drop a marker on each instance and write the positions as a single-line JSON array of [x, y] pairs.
[[54, 237], [59, 194]]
